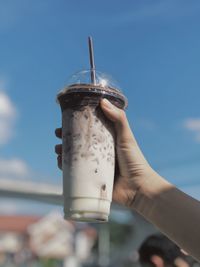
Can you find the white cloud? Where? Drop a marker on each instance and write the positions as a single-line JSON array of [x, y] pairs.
[[16, 169], [13, 168], [8, 115], [13, 171], [193, 125], [6, 107]]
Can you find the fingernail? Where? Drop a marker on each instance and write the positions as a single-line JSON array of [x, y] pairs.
[[107, 103]]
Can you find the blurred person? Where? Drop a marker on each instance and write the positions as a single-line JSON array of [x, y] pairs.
[[139, 187], [159, 251]]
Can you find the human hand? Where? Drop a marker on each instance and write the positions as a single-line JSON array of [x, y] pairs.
[[132, 168], [133, 171]]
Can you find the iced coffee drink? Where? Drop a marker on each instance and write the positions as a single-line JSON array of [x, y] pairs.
[[88, 156]]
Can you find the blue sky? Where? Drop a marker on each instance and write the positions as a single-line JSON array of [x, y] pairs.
[[150, 47]]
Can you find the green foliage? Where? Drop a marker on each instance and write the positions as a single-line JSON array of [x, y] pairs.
[[119, 234], [50, 263]]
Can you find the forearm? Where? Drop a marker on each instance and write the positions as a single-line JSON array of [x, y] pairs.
[[172, 211]]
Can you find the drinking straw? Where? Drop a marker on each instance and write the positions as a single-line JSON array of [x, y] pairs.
[[92, 66]]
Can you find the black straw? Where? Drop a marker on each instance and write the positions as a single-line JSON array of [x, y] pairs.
[[92, 66]]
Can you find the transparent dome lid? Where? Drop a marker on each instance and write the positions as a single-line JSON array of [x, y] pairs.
[[97, 82], [89, 83], [101, 79]]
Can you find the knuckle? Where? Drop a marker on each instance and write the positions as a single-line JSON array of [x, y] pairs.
[[122, 115]]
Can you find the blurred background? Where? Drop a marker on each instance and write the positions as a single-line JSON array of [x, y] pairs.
[[152, 49]]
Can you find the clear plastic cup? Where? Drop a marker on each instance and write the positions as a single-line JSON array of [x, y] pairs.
[[88, 156]]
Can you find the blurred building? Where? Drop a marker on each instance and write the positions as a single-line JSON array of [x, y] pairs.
[[30, 238], [14, 238]]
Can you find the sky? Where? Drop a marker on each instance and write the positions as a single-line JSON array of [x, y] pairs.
[[150, 47]]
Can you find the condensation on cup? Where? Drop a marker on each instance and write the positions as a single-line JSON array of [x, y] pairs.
[[88, 138]]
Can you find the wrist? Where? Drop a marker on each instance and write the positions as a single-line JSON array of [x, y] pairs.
[[147, 195]]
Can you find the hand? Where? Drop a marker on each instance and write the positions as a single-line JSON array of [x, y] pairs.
[[133, 169]]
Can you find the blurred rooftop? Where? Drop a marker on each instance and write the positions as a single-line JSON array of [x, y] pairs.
[[16, 223]]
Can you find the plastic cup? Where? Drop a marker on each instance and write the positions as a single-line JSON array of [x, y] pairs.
[[88, 156]]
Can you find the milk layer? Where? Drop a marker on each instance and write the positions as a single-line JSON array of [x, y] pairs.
[[88, 162]]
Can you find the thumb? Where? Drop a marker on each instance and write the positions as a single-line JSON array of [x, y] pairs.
[[112, 112], [118, 117]]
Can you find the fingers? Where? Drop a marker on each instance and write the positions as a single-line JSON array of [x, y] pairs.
[[58, 149], [59, 161], [58, 132]]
